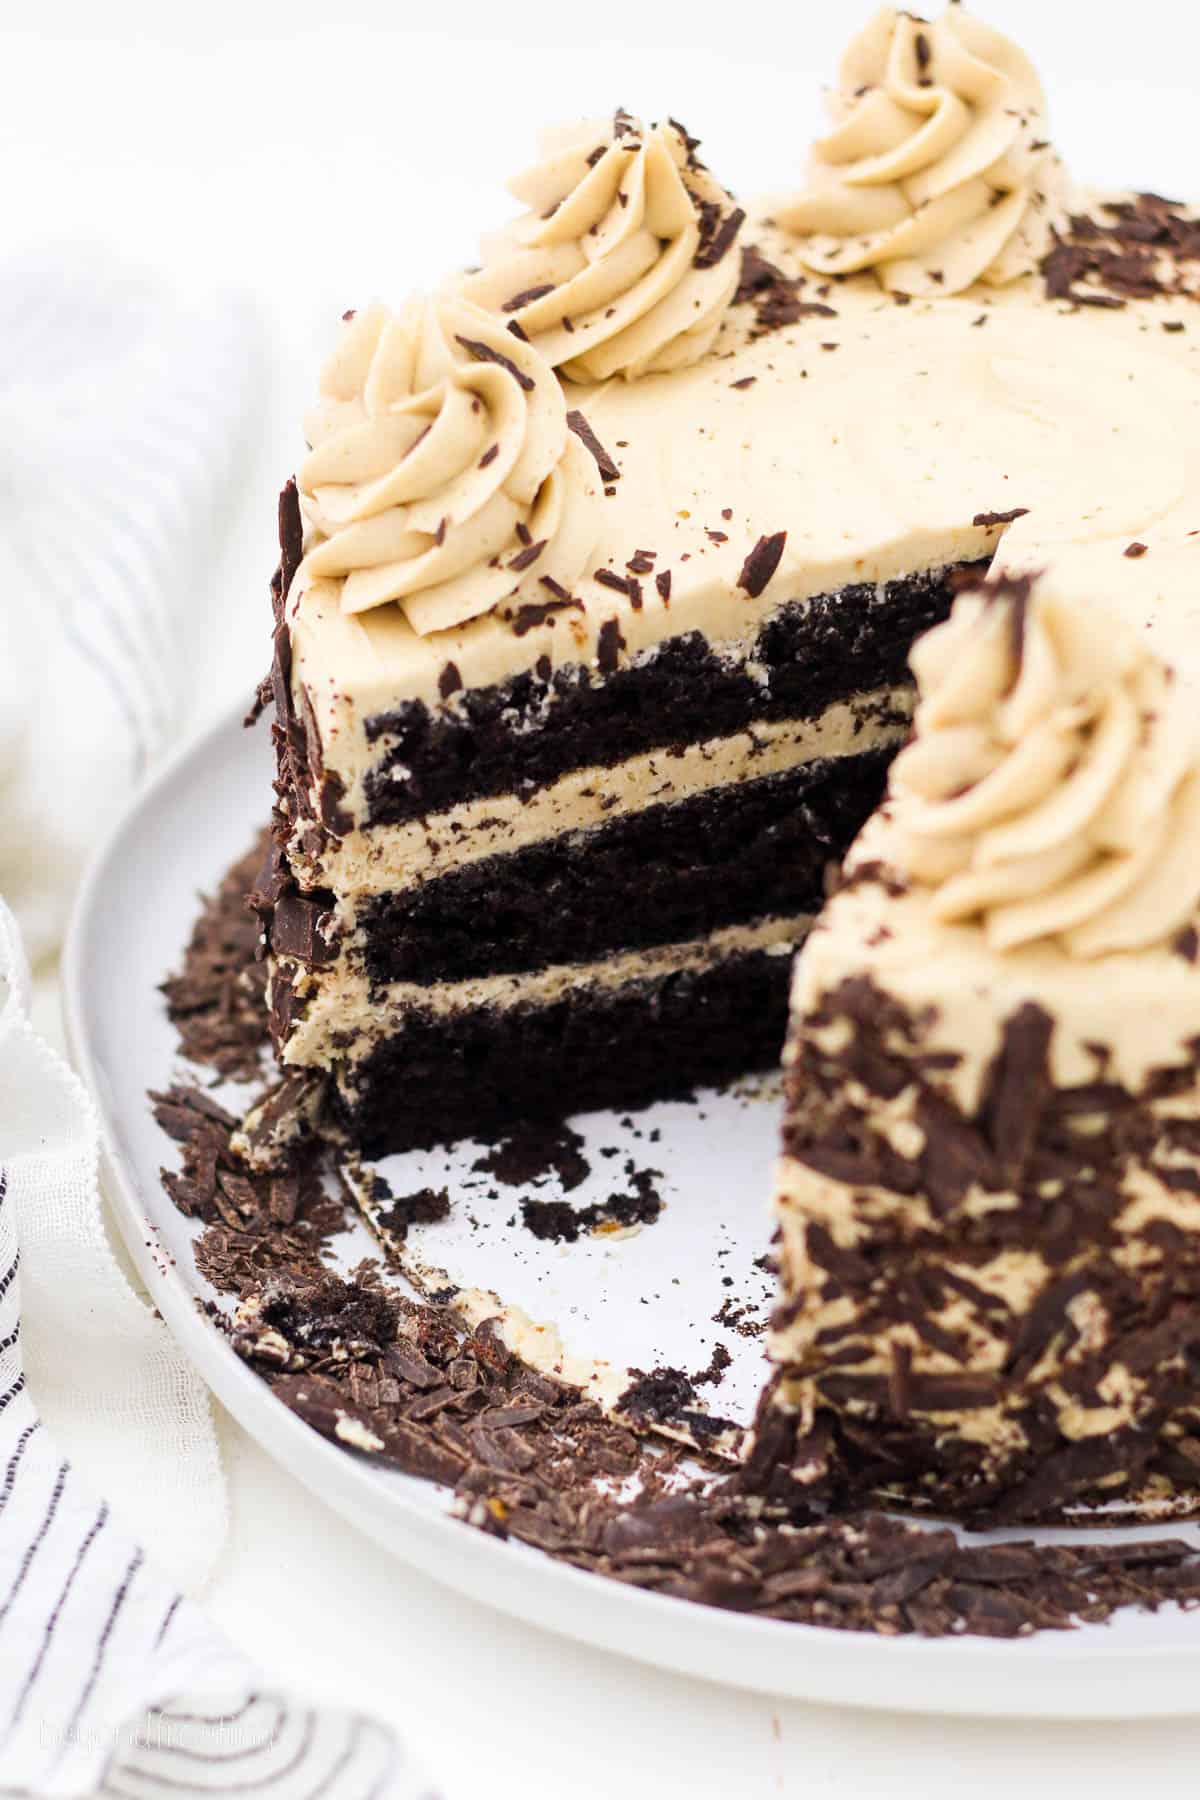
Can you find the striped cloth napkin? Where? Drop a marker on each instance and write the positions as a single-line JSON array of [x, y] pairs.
[[122, 406]]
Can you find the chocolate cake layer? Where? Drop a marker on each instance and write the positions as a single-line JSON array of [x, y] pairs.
[[440, 1078], [535, 727], [661, 875]]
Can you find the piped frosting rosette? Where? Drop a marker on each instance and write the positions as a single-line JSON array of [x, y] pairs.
[[626, 260], [937, 172], [1052, 789], [442, 475]]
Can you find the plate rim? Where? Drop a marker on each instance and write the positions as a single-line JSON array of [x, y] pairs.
[[1058, 1676]]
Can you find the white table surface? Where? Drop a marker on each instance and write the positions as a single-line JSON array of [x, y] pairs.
[[312, 165]]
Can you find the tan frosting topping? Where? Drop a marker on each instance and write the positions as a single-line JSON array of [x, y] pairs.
[[1052, 789], [937, 172], [625, 261], [442, 473]]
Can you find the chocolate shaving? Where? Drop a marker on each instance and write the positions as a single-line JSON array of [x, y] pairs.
[[484, 353], [761, 564], [718, 240], [1186, 943], [1136, 249], [217, 1001], [774, 295], [609, 645], [527, 297], [587, 437], [536, 612]]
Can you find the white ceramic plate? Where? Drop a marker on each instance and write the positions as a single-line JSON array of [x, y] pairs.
[[133, 917]]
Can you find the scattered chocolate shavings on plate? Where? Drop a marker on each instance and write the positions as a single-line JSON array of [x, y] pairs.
[[404, 1383], [217, 1001]]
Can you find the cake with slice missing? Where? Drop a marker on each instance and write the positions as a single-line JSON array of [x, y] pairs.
[[598, 585], [989, 1197]]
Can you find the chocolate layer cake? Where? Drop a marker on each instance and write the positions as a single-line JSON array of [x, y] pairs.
[[988, 1194], [599, 579]]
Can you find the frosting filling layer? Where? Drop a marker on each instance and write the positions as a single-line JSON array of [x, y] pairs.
[[340, 1016], [659, 876], [531, 730], [468, 1073], [388, 858]]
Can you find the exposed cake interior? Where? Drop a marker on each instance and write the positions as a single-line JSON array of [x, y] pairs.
[[592, 637], [559, 859]]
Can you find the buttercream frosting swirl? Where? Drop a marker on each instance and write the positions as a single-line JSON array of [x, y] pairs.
[[626, 260], [442, 474], [937, 172], [1052, 788]]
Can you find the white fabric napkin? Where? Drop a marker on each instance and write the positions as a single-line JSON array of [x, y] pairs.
[[121, 407], [120, 414]]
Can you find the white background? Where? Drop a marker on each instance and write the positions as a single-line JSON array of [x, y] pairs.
[[308, 157]]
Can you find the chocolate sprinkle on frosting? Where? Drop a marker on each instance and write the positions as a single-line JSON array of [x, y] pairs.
[[587, 437], [527, 297], [609, 645], [528, 555], [484, 353], [536, 612], [761, 564], [609, 578], [1186, 943], [1137, 250], [774, 295], [717, 240]]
